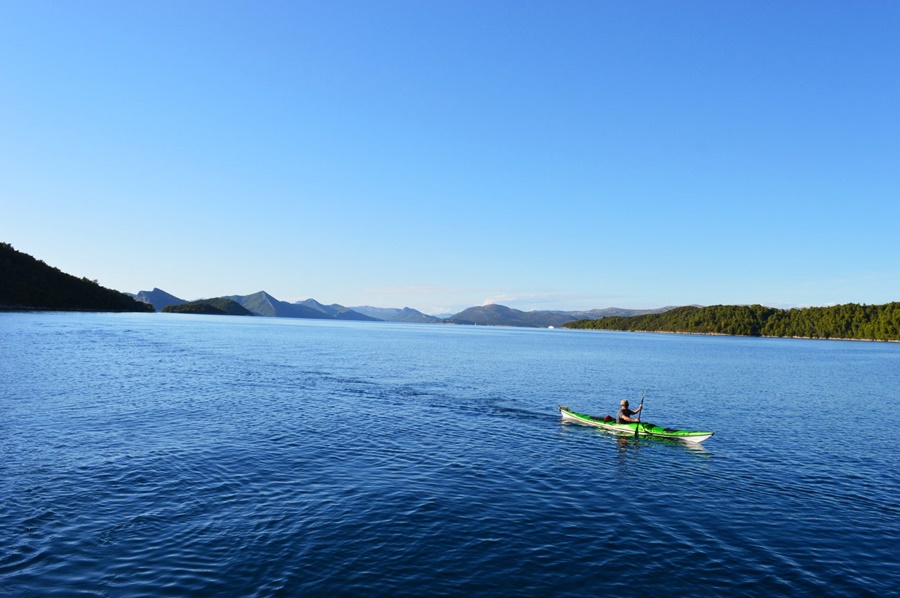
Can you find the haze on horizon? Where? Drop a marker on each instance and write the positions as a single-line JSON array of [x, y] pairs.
[[566, 156]]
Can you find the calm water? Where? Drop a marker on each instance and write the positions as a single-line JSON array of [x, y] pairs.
[[152, 455]]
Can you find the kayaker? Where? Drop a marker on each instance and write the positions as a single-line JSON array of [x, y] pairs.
[[624, 414]]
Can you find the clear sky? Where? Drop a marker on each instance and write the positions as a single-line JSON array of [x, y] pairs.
[[445, 154]]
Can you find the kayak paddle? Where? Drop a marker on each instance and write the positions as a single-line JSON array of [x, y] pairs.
[[640, 413]]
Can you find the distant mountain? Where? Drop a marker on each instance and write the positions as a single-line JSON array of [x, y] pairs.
[[608, 312], [28, 283], [335, 311], [500, 315], [220, 306], [393, 314], [263, 304], [159, 299]]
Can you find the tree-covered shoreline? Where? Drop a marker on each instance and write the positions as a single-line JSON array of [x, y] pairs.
[[28, 284], [849, 321]]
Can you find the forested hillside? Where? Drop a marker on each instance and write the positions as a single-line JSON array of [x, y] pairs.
[[28, 283], [848, 321], [219, 306], [500, 315]]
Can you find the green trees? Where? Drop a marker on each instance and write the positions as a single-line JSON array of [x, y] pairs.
[[27, 283], [848, 321], [220, 306]]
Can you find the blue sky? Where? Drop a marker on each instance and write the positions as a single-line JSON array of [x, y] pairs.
[[439, 155]]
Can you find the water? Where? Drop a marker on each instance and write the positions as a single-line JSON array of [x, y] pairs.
[[174, 455]]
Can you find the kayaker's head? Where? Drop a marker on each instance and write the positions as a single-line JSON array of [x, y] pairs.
[[624, 403]]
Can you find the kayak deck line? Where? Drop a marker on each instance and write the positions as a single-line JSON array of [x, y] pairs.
[[644, 429]]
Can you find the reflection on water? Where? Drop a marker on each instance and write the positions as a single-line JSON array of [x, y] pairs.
[[628, 441]]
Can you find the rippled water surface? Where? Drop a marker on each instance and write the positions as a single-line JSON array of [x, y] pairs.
[[152, 455]]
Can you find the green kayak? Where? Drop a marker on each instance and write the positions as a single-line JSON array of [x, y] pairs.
[[646, 429]]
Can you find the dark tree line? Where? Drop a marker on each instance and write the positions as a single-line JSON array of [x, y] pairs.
[[28, 283], [220, 306], [848, 321]]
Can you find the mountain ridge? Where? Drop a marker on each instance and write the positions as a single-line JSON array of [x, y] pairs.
[[158, 298], [500, 315], [394, 314], [29, 283], [335, 311], [264, 304]]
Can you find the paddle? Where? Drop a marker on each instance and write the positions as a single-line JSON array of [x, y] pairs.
[[640, 413]]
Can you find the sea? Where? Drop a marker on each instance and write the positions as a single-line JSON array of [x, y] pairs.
[[183, 455]]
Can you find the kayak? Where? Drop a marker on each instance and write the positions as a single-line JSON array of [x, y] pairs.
[[645, 429]]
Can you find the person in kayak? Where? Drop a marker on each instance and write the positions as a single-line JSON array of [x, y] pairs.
[[624, 414]]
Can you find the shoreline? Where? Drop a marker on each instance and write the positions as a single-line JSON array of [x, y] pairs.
[[808, 338]]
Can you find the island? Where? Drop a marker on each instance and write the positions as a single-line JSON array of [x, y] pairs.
[[220, 306]]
